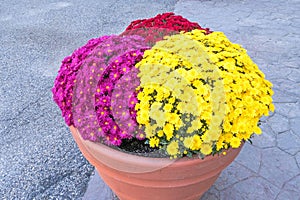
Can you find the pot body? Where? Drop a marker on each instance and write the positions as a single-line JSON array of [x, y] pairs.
[[134, 177]]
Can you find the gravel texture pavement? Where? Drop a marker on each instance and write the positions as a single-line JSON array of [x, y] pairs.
[[38, 157]]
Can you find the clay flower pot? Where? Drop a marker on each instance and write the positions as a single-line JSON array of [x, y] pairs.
[[134, 177], [179, 87]]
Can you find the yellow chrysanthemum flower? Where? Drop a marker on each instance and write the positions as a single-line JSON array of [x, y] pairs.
[[235, 142], [206, 149], [173, 118], [168, 130], [160, 133], [154, 142], [196, 143], [187, 142], [173, 148], [159, 116], [168, 107]]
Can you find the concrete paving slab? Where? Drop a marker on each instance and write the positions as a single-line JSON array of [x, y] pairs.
[[269, 30]]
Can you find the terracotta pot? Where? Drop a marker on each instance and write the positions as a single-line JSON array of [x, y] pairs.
[[134, 177]]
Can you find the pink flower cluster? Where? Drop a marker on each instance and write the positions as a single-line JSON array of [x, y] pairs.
[[63, 85], [115, 98], [92, 70]]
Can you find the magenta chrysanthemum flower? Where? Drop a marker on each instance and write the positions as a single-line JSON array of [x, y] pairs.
[[117, 115], [64, 82], [93, 70]]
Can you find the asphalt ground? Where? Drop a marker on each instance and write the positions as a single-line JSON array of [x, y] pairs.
[[38, 157]]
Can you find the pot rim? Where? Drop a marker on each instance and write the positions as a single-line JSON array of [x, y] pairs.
[[98, 152]]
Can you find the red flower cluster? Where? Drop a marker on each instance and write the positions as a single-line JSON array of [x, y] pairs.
[[154, 29], [166, 21]]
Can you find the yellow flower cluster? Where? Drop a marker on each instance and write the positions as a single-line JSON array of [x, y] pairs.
[[200, 94]]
